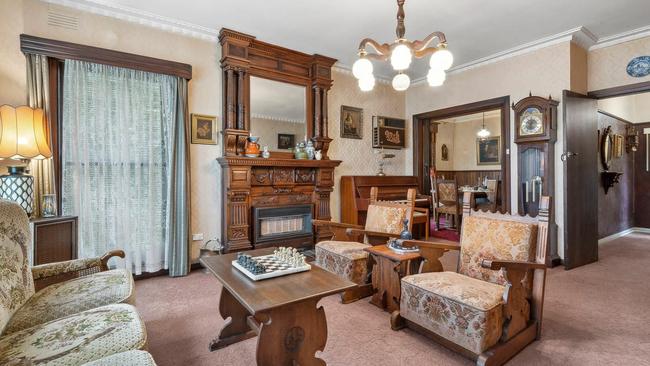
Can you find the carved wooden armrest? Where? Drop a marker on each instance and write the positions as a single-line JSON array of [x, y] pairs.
[[431, 252], [338, 229], [516, 308], [62, 271], [511, 265]]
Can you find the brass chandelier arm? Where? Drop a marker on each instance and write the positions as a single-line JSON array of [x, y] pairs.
[[421, 45], [381, 49]]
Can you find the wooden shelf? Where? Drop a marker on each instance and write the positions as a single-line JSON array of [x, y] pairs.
[[242, 160]]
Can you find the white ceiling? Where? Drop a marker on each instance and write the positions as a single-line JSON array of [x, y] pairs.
[[474, 28]]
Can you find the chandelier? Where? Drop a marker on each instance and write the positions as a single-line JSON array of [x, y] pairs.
[[401, 52]]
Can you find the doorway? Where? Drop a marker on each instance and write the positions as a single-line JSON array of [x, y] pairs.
[[434, 129], [606, 169]]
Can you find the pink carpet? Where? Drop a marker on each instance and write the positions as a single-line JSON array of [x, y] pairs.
[[598, 314], [443, 233]]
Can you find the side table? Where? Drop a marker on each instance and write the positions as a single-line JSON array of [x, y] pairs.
[[388, 269]]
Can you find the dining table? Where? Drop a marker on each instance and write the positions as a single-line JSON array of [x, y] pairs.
[[476, 192]]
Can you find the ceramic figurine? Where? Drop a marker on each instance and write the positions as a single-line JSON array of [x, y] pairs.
[[318, 155], [310, 150], [252, 147], [266, 153], [406, 234]]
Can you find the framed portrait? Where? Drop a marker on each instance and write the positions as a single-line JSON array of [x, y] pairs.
[[286, 141], [351, 122], [204, 129], [488, 151]]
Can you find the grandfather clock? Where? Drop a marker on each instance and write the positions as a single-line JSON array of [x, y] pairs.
[[535, 136]]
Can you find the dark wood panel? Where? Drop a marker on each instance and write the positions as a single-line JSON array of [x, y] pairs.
[[468, 177], [616, 208], [55, 239], [73, 51], [580, 180], [620, 90], [641, 181]]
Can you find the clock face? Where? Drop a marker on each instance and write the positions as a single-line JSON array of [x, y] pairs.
[[531, 122]]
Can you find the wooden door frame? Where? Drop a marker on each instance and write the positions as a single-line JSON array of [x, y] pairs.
[[420, 129]]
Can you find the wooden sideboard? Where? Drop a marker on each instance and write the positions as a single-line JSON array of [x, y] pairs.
[[468, 177], [275, 182]]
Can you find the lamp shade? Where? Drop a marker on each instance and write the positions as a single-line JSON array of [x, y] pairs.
[[23, 133]]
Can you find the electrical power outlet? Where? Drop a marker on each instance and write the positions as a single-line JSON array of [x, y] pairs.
[[197, 237]]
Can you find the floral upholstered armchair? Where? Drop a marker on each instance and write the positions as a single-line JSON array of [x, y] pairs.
[[492, 307], [344, 254], [83, 319]]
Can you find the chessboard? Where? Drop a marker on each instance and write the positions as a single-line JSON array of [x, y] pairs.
[[282, 262]]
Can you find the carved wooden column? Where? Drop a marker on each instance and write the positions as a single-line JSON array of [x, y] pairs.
[[241, 104], [321, 77], [318, 108]]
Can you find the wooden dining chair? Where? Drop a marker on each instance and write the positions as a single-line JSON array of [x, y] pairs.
[[447, 202]]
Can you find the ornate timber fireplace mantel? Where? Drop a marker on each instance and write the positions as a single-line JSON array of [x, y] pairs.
[[255, 188]]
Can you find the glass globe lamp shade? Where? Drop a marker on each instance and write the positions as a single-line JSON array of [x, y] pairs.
[[441, 60], [483, 133], [401, 57], [362, 68], [436, 77], [401, 82], [367, 83]]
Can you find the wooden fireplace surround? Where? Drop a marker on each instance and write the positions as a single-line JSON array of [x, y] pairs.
[[279, 180]]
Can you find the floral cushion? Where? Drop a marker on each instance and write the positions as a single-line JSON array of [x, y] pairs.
[[74, 296], [484, 238], [57, 268], [77, 339], [461, 309], [387, 219], [16, 282], [130, 358], [345, 258]]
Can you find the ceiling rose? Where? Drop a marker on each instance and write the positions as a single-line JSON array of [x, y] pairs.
[[401, 53]]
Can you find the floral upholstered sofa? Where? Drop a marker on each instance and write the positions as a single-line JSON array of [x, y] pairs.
[[82, 319]]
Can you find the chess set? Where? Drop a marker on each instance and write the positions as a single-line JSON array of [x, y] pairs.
[[282, 262]]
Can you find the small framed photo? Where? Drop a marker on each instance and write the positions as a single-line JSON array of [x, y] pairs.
[[204, 129], [286, 141], [488, 151], [351, 122]]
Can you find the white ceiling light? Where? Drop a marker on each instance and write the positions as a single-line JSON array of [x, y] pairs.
[[401, 53], [401, 82], [483, 133]]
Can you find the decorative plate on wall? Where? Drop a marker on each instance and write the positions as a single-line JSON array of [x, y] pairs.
[[639, 67]]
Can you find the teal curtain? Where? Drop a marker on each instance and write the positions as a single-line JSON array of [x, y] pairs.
[[179, 224]]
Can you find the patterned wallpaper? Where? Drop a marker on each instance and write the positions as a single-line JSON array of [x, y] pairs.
[[607, 65], [357, 155]]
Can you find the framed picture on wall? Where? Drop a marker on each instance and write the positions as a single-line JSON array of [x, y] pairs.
[[286, 141], [488, 151], [351, 122], [204, 129]]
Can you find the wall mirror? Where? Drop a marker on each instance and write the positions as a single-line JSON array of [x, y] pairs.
[[606, 148], [278, 113]]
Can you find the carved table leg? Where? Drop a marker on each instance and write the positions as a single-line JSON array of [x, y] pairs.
[[292, 334], [386, 276], [236, 328]]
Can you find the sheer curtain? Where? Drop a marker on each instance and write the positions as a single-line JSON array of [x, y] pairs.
[[118, 148]]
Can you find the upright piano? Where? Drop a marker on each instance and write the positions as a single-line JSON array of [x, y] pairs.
[[355, 194]]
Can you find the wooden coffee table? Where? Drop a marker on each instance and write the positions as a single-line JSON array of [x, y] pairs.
[[281, 311], [388, 269]]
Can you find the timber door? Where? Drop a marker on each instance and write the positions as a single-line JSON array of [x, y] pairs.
[[580, 160]]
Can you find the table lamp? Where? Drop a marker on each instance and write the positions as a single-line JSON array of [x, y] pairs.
[[22, 138]]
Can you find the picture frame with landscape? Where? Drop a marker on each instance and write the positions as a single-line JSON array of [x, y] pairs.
[[488, 151]]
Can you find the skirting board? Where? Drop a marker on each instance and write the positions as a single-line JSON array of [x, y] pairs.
[[624, 233]]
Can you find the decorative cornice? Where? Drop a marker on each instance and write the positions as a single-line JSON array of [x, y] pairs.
[[581, 35], [622, 37], [140, 17], [344, 69]]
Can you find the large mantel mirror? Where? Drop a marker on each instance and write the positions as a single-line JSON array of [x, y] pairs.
[[278, 113], [272, 92]]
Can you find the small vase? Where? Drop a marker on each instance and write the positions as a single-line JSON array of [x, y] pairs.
[[406, 234], [310, 150], [266, 153], [318, 155]]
